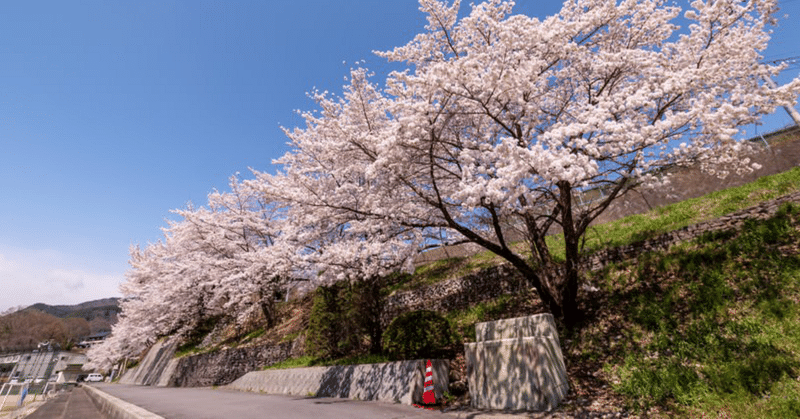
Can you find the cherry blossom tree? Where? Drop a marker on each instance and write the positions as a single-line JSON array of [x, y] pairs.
[[216, 262], [230, 246], [500, 120]]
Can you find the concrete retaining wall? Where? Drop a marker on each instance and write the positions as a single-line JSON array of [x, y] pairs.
[[114, 408], [516, 364], [149, 371], [398, 382]]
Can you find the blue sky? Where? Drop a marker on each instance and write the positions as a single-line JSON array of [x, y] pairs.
[[112, 113]]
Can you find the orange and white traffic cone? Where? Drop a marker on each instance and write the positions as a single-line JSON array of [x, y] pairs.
[[427, 396]]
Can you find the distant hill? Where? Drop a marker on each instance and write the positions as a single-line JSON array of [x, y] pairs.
[[62, 325], [106, 309]]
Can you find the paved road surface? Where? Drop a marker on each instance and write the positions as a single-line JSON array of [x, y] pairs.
[[74, 404], [206, 403]]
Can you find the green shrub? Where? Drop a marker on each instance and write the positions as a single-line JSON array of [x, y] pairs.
[[345, 318], [331, 327], [419, 334]]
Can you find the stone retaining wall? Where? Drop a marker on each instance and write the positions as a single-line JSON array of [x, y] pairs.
[[224, 366], [160, 368], [397, 382], [454, 293]]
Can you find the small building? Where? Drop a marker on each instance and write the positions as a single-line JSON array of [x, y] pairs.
[[7, 365], [70, 374], [39, 365], [91, 340]]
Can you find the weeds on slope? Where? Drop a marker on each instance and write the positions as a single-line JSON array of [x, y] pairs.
[[711, 327]]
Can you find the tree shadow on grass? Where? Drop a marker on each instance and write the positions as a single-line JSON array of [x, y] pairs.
[[704, 309]]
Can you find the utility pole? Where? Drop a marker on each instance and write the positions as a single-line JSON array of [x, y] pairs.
[[768, 80], [790, 110]]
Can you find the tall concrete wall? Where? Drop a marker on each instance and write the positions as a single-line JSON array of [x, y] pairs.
[[149, 370], [516, 364], [399, 382]]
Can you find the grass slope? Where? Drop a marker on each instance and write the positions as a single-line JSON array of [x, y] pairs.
[[711, 327]]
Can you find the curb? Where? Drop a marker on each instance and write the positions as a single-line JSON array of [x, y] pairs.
[[116, 408]]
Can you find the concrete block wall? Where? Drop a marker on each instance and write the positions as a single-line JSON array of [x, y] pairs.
[[398, 382], [516, 364]]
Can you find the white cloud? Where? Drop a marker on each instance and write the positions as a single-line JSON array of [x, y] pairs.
[[7, 265], [46, 276], [71, 280]]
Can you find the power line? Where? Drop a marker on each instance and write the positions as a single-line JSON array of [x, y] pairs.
[[791, 60]]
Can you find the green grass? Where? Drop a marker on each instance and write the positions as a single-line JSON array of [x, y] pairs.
[[356, 359], [187, 350], [713, 327], [253, 335], [290, 337], [437, 271], [691, 211], [310, 361], [299, 362], [464, 320], [440, 270], [430, 273]]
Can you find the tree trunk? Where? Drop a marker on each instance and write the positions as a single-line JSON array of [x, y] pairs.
[[267, 308], [558, 285], [568, 286], [371, 304]]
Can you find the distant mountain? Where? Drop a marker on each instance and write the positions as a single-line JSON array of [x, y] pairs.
[[106, 309], [63, 326]]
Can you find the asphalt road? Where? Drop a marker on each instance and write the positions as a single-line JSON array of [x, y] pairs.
[[74, 404], [207, 403]]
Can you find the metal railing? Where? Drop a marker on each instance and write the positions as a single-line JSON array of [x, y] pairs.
[[16, 395]]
